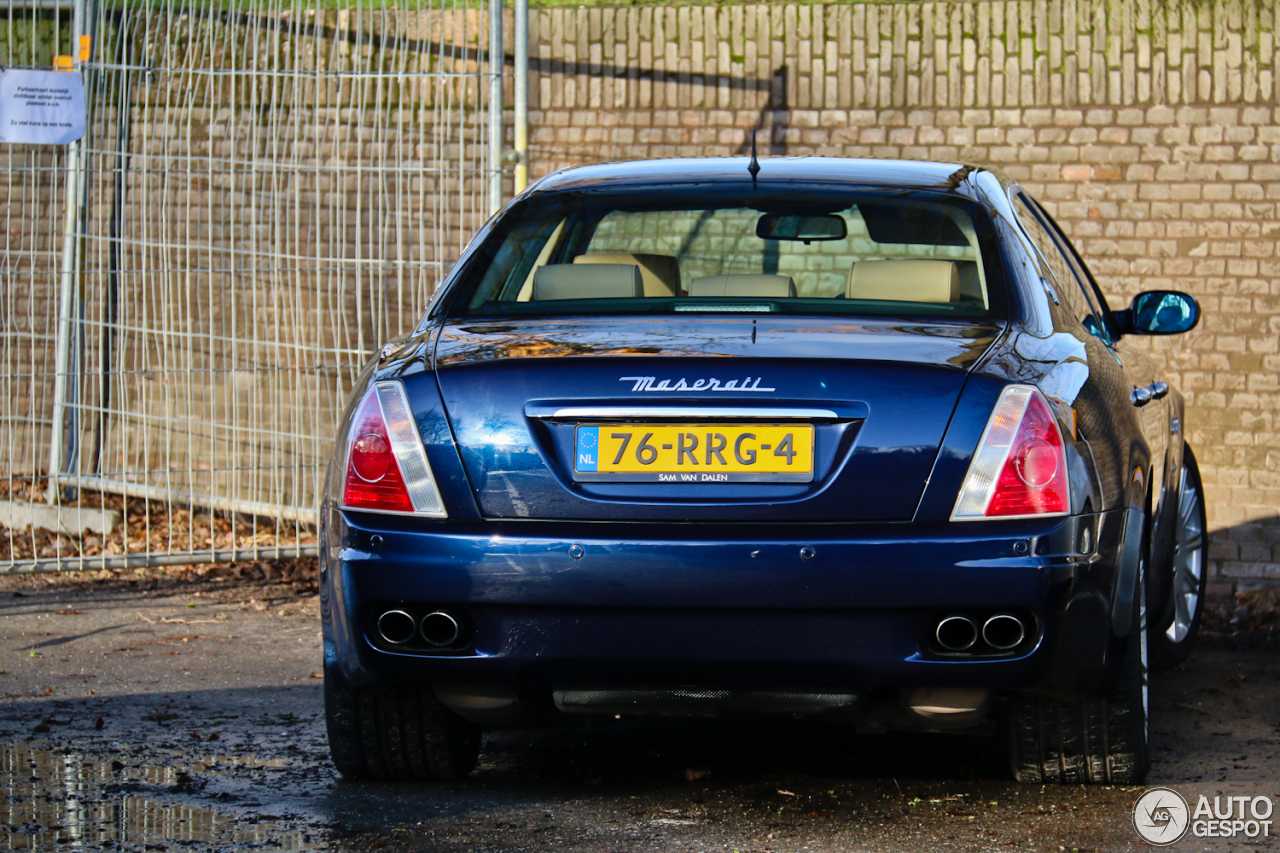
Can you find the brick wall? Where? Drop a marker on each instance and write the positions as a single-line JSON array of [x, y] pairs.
[[1150, 130]]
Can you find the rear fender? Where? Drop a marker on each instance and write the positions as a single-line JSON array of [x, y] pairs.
[[1128, 570], [1098, 620], [1130, 560]]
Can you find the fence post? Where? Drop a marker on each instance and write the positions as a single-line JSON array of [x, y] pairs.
[[497, 62], [68, 296], [521, 119]]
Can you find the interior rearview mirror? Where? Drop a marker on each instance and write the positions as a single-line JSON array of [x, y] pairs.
[[1161, 312], [776, 226]]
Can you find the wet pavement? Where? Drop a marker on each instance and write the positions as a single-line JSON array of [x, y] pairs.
[[192, 720]]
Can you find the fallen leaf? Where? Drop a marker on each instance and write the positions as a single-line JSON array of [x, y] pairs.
[[187, 784]]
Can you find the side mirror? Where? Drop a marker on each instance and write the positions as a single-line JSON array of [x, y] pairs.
[[1159, 312]]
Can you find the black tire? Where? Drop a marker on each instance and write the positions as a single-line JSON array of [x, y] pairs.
[[1100, 740], [1174, 634], [402, 734]]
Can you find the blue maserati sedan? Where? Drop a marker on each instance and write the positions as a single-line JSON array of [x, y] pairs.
[[847, 439]]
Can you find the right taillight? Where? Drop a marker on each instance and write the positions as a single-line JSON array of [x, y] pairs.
[[1020, 468], [387, 468]]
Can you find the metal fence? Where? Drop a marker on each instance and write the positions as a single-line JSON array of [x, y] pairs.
[[265, 192]]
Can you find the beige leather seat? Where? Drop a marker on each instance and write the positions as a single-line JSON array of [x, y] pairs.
[[660, 273], [904, 281], [601, 281], [757, 286]]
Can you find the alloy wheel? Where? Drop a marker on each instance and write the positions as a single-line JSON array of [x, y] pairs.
[[1188, 557]]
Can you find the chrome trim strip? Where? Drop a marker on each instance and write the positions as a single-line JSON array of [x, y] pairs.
[[714, 412]]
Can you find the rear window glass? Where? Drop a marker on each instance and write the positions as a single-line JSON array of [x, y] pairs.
[[735, 250]]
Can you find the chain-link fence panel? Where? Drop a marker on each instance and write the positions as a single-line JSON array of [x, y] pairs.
[[265, 192]]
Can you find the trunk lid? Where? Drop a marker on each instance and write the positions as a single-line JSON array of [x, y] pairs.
[[871, 399]]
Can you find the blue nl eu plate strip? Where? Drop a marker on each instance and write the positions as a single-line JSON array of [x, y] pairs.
[[586, 454]]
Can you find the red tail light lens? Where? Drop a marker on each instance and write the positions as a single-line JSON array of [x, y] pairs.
[[371, 457], [373, 477], [387, 469], [1020, 468], [1034, 479]]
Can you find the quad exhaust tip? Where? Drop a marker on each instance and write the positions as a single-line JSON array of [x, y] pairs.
[[1003, 631], [397, 627], [440, 629], [957, 633]]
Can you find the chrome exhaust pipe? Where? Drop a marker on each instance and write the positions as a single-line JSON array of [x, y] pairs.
[[956, 633], [1003, 631], [397, 627], [440, 629]]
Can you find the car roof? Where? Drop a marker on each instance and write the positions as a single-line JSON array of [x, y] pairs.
[[895, 174]]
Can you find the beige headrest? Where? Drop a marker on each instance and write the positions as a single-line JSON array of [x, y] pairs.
[[765, 286], [604, 281], [904, 281], [660, 273]]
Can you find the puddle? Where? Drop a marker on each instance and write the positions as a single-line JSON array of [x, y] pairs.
[[63, 800]]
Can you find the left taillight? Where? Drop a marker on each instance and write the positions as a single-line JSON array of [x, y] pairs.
[[387, 468], [1020, 468]]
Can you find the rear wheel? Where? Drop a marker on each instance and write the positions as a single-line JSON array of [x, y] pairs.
[[401, 733], [1087, 739], [1174, 635]]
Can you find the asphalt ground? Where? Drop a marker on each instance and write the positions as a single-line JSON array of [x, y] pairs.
[[172, 712]]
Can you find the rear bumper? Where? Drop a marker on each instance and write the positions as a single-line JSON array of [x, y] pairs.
[[823, 606]]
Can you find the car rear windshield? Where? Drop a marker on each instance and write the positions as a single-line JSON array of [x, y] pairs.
[[734, 249]]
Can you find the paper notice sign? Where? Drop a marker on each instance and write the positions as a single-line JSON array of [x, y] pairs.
[[41, 107]]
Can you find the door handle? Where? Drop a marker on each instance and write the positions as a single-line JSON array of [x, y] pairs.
[[1154, 391]]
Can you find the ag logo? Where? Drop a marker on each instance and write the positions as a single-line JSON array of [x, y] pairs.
[[1161, 816]]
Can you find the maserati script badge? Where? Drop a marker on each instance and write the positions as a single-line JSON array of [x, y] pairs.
[[649, 383]]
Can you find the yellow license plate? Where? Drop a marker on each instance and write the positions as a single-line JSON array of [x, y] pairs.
[[694, 453]]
